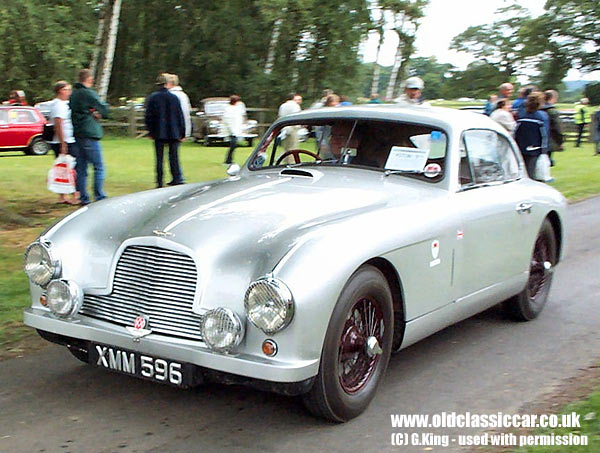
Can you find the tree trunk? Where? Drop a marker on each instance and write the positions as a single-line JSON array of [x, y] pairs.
[[397, 61], [98, 40], [109, 51], [273, 44], [376, 68]]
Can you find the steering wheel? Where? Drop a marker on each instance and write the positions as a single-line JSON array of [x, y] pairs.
[[296, 153]]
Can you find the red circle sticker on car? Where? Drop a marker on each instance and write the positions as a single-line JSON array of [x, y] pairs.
[[432, 170]]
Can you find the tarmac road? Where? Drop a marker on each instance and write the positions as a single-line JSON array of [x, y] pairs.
[[51, 402]]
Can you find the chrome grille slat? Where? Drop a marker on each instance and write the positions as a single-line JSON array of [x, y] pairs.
[[136, 278], [126, 297], [131, 309], [138, 261], [155, 282]]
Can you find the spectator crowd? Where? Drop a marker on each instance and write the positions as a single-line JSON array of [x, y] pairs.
[[532, 118]]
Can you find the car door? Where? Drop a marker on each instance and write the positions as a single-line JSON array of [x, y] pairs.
[[4, 135], [493, 213], [22, 125]]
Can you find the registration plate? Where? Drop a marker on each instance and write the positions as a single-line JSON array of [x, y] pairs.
[[142, 365]]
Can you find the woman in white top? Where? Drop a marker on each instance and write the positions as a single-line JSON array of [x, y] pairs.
[[233, 120], [503, 115], [63, 141]]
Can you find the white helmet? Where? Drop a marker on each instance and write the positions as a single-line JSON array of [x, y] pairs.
[[414, 83]]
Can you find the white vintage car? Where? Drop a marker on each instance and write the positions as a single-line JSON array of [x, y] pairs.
[[303, 272]]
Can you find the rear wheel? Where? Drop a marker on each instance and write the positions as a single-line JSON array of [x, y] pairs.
[[529, 303], [38, 147], [357, 348]]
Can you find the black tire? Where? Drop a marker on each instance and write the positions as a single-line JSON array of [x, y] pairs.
[[38, 147], [207, 141], [342, 392], [250, 141], [530, 302]]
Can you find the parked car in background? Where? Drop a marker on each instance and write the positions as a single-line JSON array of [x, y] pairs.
[[208, 123], [45, 108], [21, 128], [307, 268]]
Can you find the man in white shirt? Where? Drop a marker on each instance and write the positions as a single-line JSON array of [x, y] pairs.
[[290, 133], [174, 87]]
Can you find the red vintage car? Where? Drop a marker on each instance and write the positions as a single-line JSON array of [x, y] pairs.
[[21, 128]]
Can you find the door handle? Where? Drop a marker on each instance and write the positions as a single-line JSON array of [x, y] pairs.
[[524, 206]]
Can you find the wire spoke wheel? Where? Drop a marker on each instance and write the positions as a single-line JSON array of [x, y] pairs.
[[529, 303], [538, 269], [355, 363], [357, 348]]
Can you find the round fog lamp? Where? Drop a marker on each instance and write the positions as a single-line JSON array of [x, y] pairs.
[[222, 329], [64, 297], [40, 266]]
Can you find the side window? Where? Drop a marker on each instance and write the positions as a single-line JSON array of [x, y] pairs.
[[3, 117], [510, 163], [490, 157], [25, 116], [464, 173]]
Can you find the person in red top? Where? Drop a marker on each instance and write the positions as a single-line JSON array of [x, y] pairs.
[[17, 97]]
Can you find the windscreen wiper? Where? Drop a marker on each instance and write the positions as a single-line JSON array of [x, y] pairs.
[[402, 172]]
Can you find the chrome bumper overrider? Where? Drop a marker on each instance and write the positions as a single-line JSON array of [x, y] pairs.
[[182, 350]]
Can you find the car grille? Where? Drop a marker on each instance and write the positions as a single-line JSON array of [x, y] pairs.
[[155, 282]]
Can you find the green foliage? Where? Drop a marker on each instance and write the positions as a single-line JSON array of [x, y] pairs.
[[479, 80], [220, 48], [497, 43], [592, 92], [576, 28], [43, 41]]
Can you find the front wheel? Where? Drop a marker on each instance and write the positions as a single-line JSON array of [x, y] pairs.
[[529, 303], [38, 147], [356, 350]]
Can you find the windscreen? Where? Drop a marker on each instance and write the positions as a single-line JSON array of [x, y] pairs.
[[390, 146]]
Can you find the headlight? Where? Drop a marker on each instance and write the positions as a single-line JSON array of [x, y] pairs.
[[40, 266], [222, 329], [269, 304], [214, 124], [64, 297]]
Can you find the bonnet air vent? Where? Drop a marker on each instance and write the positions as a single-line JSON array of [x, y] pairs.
[[296, 172]]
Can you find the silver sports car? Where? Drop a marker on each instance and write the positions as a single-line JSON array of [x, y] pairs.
[[303, 271]]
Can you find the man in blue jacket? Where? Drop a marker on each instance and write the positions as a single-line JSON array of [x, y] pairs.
[[166, 125]]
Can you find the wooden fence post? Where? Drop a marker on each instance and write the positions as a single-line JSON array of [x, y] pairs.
[[132, 121]]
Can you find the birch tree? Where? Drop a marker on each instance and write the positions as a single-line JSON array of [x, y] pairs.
[[99, 35], [109, 49], [406, 17]]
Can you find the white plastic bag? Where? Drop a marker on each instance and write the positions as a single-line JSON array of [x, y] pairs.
[[61, 177], [542, 168]]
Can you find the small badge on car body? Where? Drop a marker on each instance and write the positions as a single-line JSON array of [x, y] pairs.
[[435, 252], [139, 328], [161, 233]]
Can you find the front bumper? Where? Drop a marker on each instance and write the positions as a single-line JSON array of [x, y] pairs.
[[194, 352]]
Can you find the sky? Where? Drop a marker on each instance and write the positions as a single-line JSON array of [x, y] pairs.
[[445, 19]]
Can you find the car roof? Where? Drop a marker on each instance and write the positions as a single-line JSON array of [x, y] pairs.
[[28, 107], [441, 117]]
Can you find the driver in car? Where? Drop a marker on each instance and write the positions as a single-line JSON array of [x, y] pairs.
[[339, 147]]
